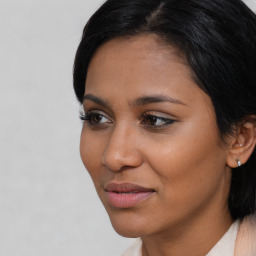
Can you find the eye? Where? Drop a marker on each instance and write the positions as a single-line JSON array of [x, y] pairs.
[[155, 121], [95, 118]]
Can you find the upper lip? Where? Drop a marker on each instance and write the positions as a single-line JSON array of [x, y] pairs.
[[125, 188]]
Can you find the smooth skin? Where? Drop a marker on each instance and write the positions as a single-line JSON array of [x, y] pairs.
[[151, 125]]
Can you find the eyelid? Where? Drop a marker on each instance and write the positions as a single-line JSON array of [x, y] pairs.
[[161, 115], [89, 106], [164, 121], [87, 116], [85, 111]]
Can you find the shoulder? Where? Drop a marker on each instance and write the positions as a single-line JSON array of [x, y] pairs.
[[246, 237], [134, 249]]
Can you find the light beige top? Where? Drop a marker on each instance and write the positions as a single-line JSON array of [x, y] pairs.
[[224, 247]]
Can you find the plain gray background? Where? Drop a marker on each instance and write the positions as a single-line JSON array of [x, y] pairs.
[[48, 205]]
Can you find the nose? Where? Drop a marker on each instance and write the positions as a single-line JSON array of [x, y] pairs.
[[122, 149]]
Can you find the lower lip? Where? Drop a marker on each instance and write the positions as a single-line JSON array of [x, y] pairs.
[[127, 200]]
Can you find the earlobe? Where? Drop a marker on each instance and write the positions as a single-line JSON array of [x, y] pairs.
[[243, 144]]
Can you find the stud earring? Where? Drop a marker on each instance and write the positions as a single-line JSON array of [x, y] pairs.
[[238, 162]]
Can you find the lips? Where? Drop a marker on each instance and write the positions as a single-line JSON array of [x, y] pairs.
[[126, 195]]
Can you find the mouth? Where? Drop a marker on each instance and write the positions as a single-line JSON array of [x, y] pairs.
[[126, 195]]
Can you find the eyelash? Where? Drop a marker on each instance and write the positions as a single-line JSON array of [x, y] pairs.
[[88, 117], [152, 117], [146, 119]]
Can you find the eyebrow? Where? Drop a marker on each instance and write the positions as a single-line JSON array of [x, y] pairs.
[[96, 99], [141, 101]]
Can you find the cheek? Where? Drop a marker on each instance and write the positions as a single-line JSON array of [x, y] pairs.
[[189, 164], [190, 147], [91, 151]]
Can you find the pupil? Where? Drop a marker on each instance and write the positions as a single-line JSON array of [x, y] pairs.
[[152, 120], [97, 118]]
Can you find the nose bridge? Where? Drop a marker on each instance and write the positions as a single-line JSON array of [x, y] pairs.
[[121, 150]]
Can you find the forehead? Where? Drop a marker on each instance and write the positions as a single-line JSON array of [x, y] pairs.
[[128, 67], [143, 46], [143, 42], [145, 51]]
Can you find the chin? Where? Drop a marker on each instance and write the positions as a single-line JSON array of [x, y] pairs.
[[129, 231], [127, 224]]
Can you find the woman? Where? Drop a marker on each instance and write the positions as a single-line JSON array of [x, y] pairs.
[[168, 89]]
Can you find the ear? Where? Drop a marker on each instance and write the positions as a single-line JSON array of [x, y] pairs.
[[243, 144]]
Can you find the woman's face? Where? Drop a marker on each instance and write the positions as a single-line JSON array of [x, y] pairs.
[[150, 140]]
